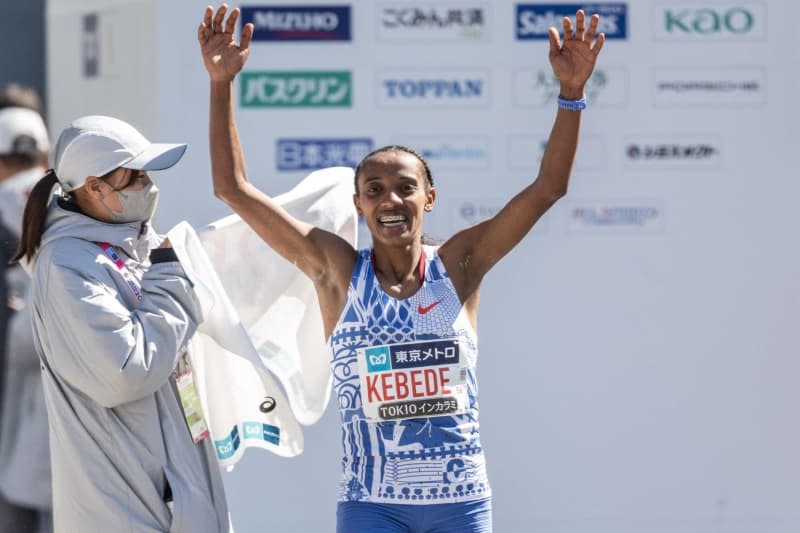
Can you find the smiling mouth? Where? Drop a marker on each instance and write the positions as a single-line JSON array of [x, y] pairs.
[[391, 221]]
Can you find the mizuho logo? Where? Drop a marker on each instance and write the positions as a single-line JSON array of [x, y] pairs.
[[295, 20], [434, 88], [298, 23], [707, 21]]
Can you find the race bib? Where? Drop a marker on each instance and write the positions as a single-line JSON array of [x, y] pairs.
[[413, 380]]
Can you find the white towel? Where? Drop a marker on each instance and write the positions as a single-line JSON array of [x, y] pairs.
[[260, 362]]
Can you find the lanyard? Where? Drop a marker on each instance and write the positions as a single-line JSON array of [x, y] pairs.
[[126, 274]]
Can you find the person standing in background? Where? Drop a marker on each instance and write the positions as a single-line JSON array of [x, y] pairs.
[[112, 312], [25, 481]]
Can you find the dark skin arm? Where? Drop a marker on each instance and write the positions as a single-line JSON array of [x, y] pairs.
[[472, 252], [323, 256], [329, 260]]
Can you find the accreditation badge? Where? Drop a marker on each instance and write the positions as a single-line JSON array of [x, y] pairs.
[[190, 402], [413, 379]]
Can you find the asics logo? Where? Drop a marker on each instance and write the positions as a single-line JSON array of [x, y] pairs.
[[425, 309]]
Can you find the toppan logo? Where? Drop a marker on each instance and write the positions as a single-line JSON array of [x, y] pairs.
[[670, 151], [533, 20], [454, 88], [300, 23], [433, 88], [432, 20], [296, 89]]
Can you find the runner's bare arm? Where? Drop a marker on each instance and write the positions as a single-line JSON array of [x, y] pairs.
[[470, 253], [325, 257]]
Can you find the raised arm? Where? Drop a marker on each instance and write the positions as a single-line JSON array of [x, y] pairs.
[[323, 256], [470, 253]]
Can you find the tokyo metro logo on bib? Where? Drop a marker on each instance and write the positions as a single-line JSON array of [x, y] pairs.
[[378, 359], [412, 380]]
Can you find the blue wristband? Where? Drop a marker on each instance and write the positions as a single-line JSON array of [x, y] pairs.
[[572, 105]]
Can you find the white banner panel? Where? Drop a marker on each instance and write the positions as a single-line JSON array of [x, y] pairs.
[[638, 361]]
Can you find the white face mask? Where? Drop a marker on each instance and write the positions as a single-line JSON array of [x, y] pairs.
[[137, 205]]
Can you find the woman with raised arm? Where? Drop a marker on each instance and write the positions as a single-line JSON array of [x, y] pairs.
[[400, 318]]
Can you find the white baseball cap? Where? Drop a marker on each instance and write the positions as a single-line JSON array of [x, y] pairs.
[[95, 145], [22, 131]]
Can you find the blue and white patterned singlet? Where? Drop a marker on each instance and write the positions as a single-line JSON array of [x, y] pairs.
[[404, 375]]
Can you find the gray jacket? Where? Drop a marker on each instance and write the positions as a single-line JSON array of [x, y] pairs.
[[24, 451], [117, 432]]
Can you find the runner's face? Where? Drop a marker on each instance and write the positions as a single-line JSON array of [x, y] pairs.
[[393, 195]]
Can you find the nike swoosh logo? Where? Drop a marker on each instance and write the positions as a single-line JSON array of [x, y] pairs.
[[426, 309]]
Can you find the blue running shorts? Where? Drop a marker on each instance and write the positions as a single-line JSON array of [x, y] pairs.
[[366, 517]]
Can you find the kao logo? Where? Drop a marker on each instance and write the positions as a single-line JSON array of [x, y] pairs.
[[741, 20], [299, 23], [377, 359], [296, 89], [534, 20]]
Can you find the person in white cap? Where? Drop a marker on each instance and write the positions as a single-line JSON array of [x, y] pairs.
[[24, 451], [112, 313]]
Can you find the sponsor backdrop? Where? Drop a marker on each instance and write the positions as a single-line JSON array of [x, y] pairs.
[[638, 355]]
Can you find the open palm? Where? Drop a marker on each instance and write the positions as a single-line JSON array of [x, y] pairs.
[[222, 57], [573, 59]]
